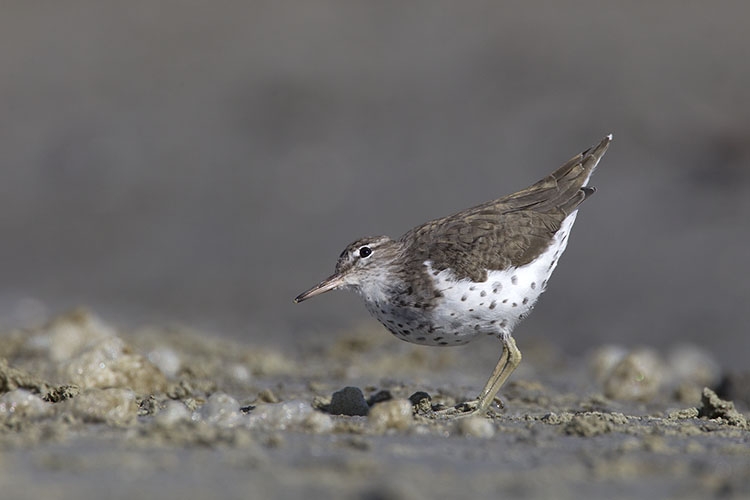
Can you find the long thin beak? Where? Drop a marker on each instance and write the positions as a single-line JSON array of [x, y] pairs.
[[326, 285]]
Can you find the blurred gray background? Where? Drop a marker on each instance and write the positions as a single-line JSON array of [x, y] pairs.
[[204, 162]]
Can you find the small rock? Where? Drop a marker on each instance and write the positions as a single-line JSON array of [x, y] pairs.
[[637, 377], [476, 427], [220, 409], [239, 373], [171, 413], [280, 415], [267, 396], [166, 359], [318, 423], [348, 401], [23, 403], [393, 414], [604, 359], [115, 407], [421, 401]]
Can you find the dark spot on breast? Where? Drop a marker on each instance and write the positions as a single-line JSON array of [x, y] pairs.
[[514, 304], [503, 323], [490, 333], [463, 298], [514, 279], [533, 285], [482, 293], [525, 300], [505, 301], [419, 338], [406, 333], [391, 321], [493, 322], [472, 288], [471, 309], [443, 343], [477, 327], [399, 325], [437, 294], [457, 341], [493, 304], [453, 314]]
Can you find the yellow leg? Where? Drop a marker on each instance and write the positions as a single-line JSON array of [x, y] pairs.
[[509, 360]]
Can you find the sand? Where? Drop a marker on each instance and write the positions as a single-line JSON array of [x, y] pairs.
[[89, 410]]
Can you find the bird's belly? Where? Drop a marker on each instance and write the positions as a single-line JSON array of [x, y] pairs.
[[467, 309]]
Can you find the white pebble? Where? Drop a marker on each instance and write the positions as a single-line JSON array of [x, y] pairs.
[[23, 403], [239, 372], [280, 415], [318, 422], [172, 413], [476, 427], [393, 414], [115, 407], [166, 360], [220, 409]]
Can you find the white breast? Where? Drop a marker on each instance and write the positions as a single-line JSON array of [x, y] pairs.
[[495, 306]]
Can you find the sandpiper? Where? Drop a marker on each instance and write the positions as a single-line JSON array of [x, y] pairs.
[[475, 273]]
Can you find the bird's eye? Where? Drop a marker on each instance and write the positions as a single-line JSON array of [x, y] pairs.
[[365, 252]]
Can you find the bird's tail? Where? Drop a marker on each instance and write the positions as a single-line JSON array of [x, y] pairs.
[[566, 187]]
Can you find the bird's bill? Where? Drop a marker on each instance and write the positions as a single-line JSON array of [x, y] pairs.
[[330, 283]]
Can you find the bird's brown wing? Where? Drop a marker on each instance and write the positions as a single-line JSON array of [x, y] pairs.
[[510, 231]]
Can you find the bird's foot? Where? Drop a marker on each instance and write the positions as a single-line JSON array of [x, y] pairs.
[[463, 410]]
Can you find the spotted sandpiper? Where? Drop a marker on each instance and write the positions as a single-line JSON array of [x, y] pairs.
[[478, 272]]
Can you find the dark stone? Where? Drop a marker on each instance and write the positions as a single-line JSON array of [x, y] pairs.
[[348, 401], [417, 397]]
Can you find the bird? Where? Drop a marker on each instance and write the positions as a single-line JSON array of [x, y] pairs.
[[475, 273]]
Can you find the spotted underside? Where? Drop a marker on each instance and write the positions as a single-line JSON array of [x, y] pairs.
[[462, 309]]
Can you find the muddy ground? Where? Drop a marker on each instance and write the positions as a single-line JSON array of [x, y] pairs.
[[88, 410]]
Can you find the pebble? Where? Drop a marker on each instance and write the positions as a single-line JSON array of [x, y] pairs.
[[280, 416], [348, 401], [318, 423], [476, 427], [637, 377], [115, 407], [604, 359], [167, 360], [393, 414], [23, 403], [171, 413], [110, 363], [220, 409]]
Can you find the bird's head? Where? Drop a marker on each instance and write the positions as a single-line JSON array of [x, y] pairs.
[[364, 266]]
